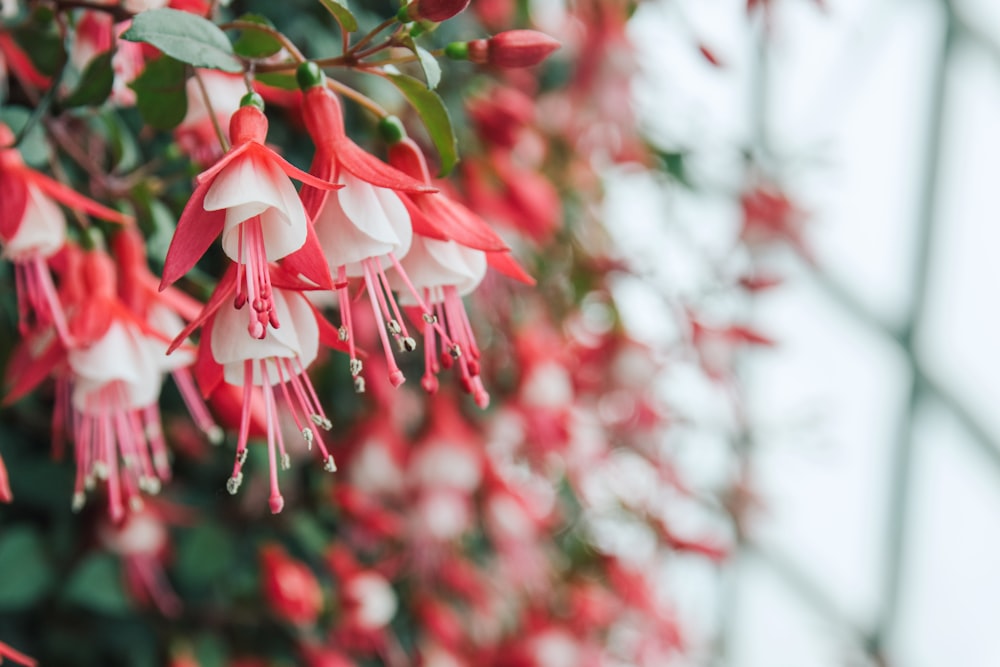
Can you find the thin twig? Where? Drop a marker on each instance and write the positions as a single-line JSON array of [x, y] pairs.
[[223, 140]]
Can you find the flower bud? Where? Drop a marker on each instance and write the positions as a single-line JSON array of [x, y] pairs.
[[309, 75], [290, 588], [432, 10], [512, 48]]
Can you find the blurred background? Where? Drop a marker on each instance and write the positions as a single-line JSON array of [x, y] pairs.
[[872, 446]]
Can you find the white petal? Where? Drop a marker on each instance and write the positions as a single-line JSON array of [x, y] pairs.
[[433, 264], [117, 357], [298, 336], [362, 221], [42, 229], [248, 187]]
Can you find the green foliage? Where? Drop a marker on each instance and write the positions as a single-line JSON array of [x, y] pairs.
[[25, 570], [340, 12], [186, 37], [95, 83], [96, 585], [161, 96], [256, 43], [435, 116]]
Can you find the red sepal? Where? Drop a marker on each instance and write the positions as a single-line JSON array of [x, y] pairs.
[[459, 224], [309, 261], [73, 199], [223, 162], [226, 289], [27, 372], [294, 172], [370, 169], [505, 263], [312, 198], [207, 371], [14, 195], [196, 230], [420, 222]]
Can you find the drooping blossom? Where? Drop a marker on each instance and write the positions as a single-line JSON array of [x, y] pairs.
[[451, 249], [96, 33], [364, 228], [108, 385], [248, 198], [165, 312], [141, 541], [33, 229], [273, 363]]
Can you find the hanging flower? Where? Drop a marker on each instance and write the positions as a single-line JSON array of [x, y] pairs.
[[248, 199], [196, 133], [33, 229], [108, 386], [451, 249], [290, 588], [364, 228], [165, 313], [274, 362]]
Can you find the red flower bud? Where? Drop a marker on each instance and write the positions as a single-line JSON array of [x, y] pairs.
[[290, 588], [512, 48], [432, 10]]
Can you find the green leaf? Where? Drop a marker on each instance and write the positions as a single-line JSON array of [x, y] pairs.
[[435, 116], [432, 70], [204, 553], [186, 37], [25, 571], [95, 83], [340, 12], [43, 45], [279, 80], [161, 96], [674, 163], [255, 43], [96, 584]]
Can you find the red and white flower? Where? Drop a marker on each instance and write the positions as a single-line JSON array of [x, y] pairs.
[[33, 229], [248, 199]]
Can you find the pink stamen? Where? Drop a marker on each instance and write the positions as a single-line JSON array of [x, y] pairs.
[[234, 482], [275, 501], [253, 254], [395, 375], [196, 405]]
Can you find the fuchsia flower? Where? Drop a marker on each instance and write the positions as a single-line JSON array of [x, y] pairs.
[[364, 228], [248, 199], [108, 385], [141, 541], [33, 229], [277, 358], [447, 260]]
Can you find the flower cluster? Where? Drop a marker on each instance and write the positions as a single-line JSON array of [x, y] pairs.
[[477, 515]]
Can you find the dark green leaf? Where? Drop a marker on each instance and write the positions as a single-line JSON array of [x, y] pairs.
[[279, 80], [160, 93], [204, 553], [186, 37], [95, 83], [255, 43], [674, 163], [25, 572], [435, 116], [340, 12], [96, 584], [432, 70], [43, 45]]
